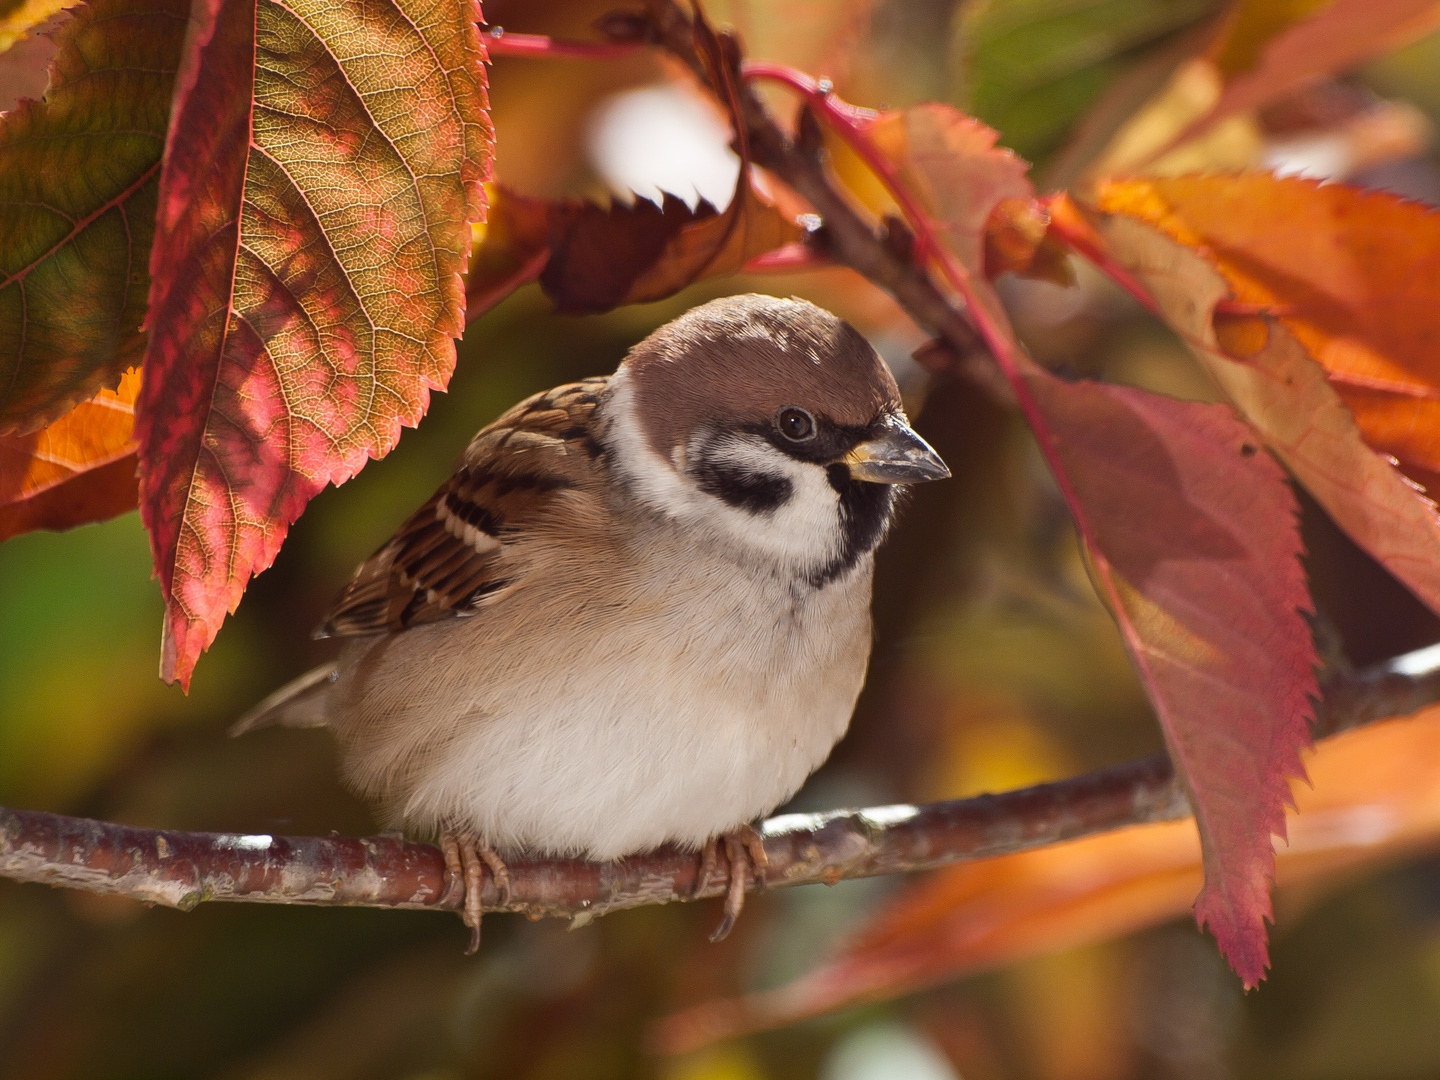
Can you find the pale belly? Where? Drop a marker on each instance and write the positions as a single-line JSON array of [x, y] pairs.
[[666, 733]]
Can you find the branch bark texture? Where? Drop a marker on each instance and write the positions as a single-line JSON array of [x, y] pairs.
[[184, 869]]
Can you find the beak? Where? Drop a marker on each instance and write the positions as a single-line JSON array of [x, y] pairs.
[[896, 456]]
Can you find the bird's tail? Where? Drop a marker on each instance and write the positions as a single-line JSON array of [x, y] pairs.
[[297, 704]]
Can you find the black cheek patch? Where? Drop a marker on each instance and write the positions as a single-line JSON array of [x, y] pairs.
[[758, 493]]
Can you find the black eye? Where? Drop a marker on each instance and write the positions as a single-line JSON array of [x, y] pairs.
[[795, 423]]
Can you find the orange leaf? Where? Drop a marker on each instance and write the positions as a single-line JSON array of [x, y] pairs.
[[79, 469], [1357, 275], [1375, 796]]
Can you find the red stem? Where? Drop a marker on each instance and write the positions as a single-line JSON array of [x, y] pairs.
[[1066, 224], [542, 46]]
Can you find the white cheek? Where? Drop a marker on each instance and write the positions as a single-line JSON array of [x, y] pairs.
[[802, 534], [803, 531]]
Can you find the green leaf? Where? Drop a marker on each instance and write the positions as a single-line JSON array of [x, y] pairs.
[[79, 172], [1030, 68]]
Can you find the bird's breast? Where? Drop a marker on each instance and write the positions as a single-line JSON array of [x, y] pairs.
[[681, 700]]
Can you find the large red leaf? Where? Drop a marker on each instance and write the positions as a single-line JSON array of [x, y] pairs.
[[79, 172], [324, 164], [1191, 533], [1195, 542], [1375, 796], [1360, 295], [79, 469]]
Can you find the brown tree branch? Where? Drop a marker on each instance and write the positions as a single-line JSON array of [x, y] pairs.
[[183, 869]]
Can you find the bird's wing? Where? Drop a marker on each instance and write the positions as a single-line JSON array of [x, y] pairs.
[[445, 561]]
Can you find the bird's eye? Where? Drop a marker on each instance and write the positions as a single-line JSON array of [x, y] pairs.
[[795, 423]]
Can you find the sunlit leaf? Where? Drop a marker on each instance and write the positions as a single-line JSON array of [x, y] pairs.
[[79, 172], [1375, 797], [322, 172], [20, 17], [1358, 272], [79, 469]]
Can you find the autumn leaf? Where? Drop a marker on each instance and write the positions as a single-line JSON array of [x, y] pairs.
[[1272, 49], [322, 171], [1374, 798], [1191, 533], [590, 258], [1195, 539], [79, 469], [20, 17], [1357, 292], [1263, 51], [79, 172]]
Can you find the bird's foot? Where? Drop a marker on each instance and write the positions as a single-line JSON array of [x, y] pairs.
[[466, 859], [745, 857]]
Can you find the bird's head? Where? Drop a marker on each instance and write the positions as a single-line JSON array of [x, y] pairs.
[[771, 424]]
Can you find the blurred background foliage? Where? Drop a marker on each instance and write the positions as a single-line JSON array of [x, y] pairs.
[[995, 666]]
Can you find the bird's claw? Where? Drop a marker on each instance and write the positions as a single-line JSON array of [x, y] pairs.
[[466, 859], [746, 859]]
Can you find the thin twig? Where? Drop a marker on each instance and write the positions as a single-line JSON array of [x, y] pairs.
[[183, 869]]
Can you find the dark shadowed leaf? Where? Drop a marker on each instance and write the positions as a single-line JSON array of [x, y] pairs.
[[79, 172], [1195, 543], [324, 167], [592, 258]]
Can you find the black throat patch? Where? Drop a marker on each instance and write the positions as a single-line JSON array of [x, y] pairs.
[[865, 513]]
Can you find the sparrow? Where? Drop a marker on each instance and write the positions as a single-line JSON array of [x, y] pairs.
[[639, 611]]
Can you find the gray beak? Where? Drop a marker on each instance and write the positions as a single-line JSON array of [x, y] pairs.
[[897, 456]]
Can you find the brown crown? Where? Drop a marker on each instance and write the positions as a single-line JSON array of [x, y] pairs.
[[737, 360]]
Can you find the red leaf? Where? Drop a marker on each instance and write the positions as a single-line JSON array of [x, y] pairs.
[[1191, 534], [323, 167], [79, 469], [1194, 539]]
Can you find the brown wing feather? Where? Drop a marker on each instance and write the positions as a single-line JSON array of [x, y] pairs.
[[447, 560]]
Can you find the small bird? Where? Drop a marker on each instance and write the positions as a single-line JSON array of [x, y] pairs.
[[639, 611]]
